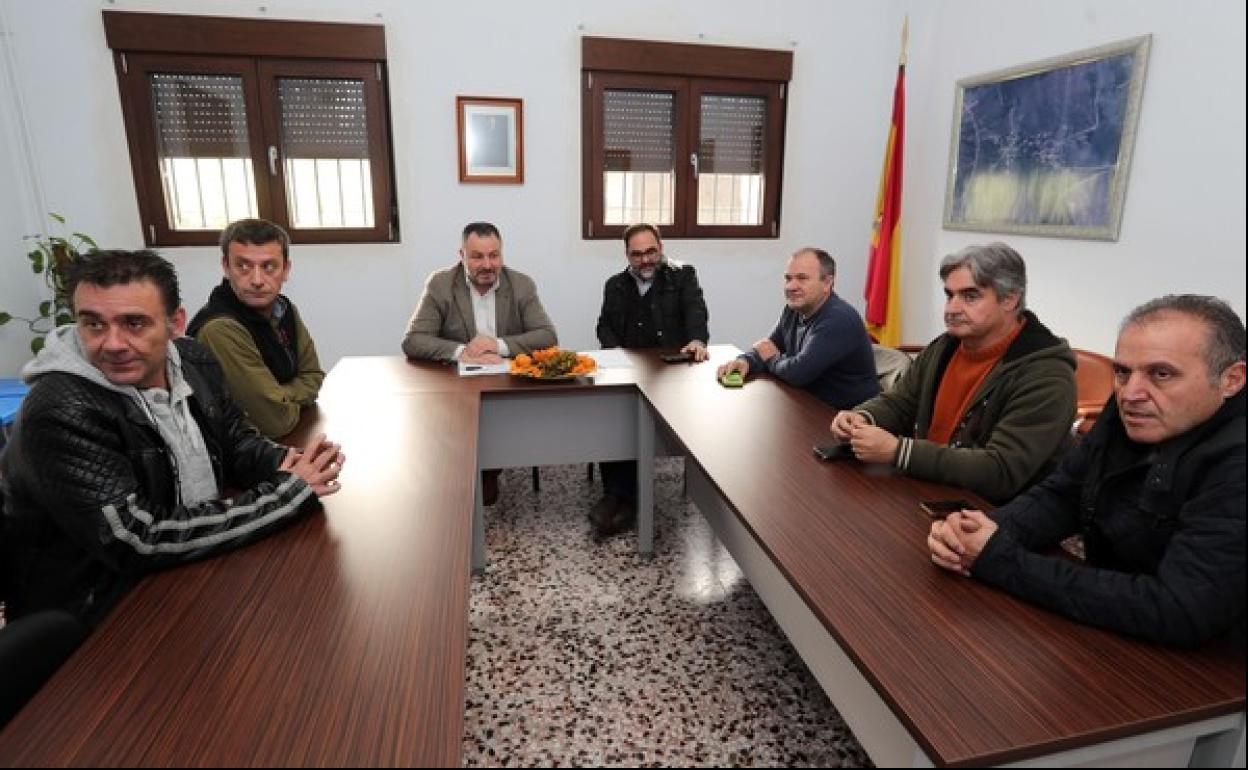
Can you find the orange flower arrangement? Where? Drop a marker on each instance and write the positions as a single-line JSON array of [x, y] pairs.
[[552, 363]]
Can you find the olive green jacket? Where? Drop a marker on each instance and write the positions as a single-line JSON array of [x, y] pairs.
[[273, 407], [1012, 434]]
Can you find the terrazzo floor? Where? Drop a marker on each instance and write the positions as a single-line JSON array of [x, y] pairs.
[[584, 653]]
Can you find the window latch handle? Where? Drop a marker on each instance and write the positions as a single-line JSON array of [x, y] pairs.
[[693, 161], [272, 160]]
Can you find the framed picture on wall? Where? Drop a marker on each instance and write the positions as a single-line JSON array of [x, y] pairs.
[[491, 139], [1045, 148]]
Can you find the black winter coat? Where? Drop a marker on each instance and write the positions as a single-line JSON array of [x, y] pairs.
[[678, 313], [1163, 527]]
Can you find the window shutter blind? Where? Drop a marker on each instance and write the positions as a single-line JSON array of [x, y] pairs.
[[323, 118], [637, 130], [199, 116], [731, 137]]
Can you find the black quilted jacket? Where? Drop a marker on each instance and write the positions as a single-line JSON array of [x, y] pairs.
[[90, 492]]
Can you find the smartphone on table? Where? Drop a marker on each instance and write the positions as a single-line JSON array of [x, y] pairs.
[[678, 357], [939, 509], [834, 452]]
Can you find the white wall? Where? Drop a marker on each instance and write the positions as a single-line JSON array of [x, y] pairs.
[[1183, 228], [1183, 220], [357, 298], [20, 193]]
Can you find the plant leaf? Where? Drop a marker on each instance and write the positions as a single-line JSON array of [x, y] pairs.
[[86, 239], [5, 318], [57, 217], [36, 262], [45, 307], [64, 318], [36, 345]]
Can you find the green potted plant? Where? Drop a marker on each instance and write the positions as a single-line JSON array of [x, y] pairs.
[[52, 255]]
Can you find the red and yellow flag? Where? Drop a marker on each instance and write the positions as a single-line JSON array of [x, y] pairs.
[[884, 262]]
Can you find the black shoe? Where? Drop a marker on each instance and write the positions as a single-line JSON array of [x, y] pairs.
[[623, 519], [489, 487], [603, 511]]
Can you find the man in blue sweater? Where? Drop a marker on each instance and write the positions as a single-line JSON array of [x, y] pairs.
[[820, 342]]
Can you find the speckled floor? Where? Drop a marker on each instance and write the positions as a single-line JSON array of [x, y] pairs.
[[584, 653]]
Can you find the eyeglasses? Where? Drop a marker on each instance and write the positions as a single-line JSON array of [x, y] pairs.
[[650, 252]]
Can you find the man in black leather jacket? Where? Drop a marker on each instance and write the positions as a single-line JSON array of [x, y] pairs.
[[1156, 489], [654, 303], [124, 445]]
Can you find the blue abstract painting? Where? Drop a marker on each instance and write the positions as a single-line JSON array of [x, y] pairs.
[[1046, 151]]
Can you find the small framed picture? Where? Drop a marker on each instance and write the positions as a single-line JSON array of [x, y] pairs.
[[491, 139]]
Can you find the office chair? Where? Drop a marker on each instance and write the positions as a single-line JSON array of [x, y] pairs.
[[32, 648], [1094, 382], [890, 364]]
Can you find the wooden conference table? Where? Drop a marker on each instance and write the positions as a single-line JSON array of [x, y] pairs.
[[341, 639]]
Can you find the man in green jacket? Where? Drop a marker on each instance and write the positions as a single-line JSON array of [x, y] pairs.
[[988, 405], [255, 331]]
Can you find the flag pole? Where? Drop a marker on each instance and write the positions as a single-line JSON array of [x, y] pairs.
[[905, 40]]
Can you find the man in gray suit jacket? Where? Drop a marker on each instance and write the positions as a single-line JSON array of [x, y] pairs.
[[478, 311]]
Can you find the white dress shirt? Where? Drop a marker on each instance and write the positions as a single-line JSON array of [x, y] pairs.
[[485, 315]]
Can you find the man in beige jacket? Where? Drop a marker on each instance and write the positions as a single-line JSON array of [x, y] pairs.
[[478, 311]]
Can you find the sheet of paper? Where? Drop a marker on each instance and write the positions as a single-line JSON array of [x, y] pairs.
[[609, 359], [472, 370]]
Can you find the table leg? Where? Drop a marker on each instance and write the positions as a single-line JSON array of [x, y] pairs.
[[645, 478], [478, 527], [1224, 749]]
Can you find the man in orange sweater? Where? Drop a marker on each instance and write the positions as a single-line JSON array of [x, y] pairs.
[[988, 405]]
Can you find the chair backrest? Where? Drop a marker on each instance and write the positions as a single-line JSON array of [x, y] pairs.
[[1094, 382], [32, 648], [890, 364]]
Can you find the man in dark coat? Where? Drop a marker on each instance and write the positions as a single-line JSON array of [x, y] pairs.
[[654, 303]]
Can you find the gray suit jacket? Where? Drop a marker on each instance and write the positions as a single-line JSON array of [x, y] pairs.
[[443, 319]]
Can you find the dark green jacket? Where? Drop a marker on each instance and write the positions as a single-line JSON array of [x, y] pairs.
[[1013, 433]]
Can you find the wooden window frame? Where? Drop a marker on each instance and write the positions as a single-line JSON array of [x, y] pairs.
[[260, 51], [689, 71]]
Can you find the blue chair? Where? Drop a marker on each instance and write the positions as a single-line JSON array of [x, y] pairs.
[[11, 394]]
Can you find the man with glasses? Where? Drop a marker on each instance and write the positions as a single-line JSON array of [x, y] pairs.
[[654, 303], [255, 331]]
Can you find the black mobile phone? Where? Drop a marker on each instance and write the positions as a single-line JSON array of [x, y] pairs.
[[939, 509], [833, 452], [676, 358]]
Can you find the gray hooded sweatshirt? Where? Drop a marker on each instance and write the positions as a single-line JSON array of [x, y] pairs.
[[169, 410]]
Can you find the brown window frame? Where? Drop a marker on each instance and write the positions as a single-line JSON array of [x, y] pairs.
[[688, 71], [259, 51]]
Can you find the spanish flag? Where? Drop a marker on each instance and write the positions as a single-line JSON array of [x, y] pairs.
[[884, 262]]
